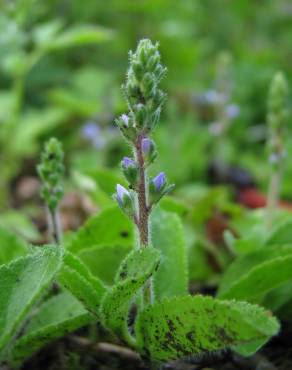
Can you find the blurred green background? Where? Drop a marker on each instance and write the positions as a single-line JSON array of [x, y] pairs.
[[62, 63]]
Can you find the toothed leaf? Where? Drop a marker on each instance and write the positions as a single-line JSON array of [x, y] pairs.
[[76, 277], [135, 270], [56, 317], [190, 326], [22, 282], [168, 237]]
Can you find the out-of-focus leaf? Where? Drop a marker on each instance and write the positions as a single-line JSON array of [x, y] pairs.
[[11, 246], [80, 35], [255, 274], [111, 226], [171, 278], [104, 260]]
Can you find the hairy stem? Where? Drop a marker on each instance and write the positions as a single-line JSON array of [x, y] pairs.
[[143, 212], [55, 225]]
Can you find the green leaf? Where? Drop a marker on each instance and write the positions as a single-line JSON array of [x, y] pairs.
[[29, 129], [56, 317], [21, 283], [253, 275], [80, 35], [11, 246], [281, 234], [111, 226], [135, 270], [106, 179], [174, 205], [168, 237], [104, 260], [194, 325], [76, 277]]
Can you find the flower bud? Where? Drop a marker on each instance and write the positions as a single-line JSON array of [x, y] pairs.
[[125, 124], [140, 113], [130, 170], [149, 150], [138, 70], [158, 188], [124, 199]]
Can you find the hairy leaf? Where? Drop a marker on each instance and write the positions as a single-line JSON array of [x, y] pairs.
[[11, 246], [110, 226], [257, 273], [104, 260], [76, 277], [135, 270], [168, 237], [56, 317], [188, 326], [21, 283]]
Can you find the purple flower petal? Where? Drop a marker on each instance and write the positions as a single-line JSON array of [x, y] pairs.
[[232, 110], [159, 181], [125, 119], [121, 192], [90, 130], [146, 145], [127, 162]]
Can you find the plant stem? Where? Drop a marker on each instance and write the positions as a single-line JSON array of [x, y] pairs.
[[55, 225], [143, 211]]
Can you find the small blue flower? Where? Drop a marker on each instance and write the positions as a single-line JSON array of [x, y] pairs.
[[125, 119], [232, 110], [146, 145], [90, 130], [159, 181], [127, 162], [121, 194]]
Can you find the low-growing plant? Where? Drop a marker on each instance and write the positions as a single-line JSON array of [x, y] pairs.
[[166, 327], [169, 323]]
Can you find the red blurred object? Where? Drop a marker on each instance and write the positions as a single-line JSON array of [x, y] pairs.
[[253, 198], [244, 184]]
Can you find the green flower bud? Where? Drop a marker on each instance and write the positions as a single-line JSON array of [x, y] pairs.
[[125, 200], [158, 188], [149, 150], [130, 170]]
